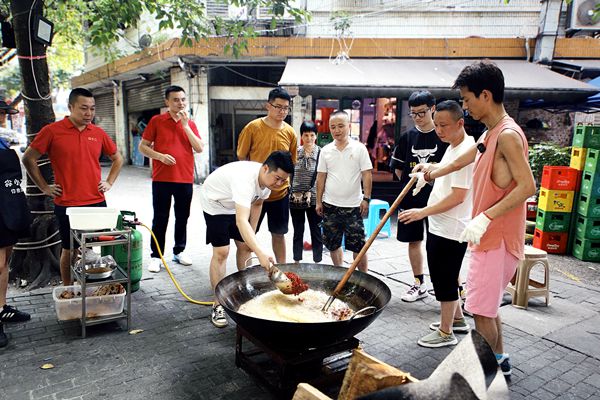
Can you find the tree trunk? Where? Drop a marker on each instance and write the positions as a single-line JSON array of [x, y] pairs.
[[37, 266]]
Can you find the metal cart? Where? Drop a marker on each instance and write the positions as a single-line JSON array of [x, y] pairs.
[[121, 274]]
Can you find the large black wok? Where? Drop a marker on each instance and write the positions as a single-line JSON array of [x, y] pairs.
[[361, 290]]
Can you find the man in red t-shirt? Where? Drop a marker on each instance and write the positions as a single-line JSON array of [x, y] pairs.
[[74, 146], [170, 140]]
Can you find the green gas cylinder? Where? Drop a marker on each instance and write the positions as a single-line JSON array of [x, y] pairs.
[[119, 252]]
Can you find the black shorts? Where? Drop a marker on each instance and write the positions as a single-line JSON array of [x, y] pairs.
[[220, 229], [444, 257], [278, 215], [413, 232], [64, 227], [343, 221]]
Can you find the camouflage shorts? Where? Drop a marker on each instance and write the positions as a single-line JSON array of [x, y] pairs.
[[343, 221]]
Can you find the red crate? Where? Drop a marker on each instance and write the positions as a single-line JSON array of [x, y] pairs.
[[551, 242], [531, 210], [559, 178]]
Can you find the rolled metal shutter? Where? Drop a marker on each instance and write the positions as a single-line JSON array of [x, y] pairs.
[[105, 112], [146, 96]]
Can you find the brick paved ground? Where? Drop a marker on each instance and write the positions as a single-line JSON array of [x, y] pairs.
[[180, 355]]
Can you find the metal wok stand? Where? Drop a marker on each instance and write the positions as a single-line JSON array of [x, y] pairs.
[[88, 240], [282, 370]]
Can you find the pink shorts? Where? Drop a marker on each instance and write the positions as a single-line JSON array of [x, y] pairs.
[[489, 274]]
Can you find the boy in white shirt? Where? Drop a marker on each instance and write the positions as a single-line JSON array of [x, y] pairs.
[[340, 200], [449, 211], [232, 198]]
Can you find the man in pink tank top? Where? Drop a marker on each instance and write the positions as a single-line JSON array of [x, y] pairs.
[[502, 182]]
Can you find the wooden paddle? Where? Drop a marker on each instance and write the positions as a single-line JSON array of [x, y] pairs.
[[363, 251]]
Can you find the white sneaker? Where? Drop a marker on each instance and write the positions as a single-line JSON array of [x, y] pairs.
[[218, 316], [154, 265], [182, 258], [414, 293]]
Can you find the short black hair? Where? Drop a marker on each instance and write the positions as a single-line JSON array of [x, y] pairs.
[[280, 159], [452, 107], [308, 126], [480, 76], [279, 93], [173, 89], [79, 92], [420, 98]]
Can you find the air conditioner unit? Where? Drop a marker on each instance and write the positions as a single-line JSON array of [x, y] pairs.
[[584, 15], [237, 12]]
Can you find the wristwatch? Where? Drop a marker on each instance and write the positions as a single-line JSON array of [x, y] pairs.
[[367, 199]]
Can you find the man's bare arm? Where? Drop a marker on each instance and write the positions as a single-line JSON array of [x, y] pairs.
[[439, 170], [146, 149], [30, 159], [510, 146], [321, 178]]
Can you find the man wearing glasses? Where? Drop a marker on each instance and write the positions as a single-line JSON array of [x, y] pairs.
[[257, 140], [418, 145]]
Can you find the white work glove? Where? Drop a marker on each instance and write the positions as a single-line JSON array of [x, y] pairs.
[[475, 229], [420, 181]]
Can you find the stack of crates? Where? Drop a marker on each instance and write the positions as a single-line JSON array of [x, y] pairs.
[[586, 214], [555, 204]]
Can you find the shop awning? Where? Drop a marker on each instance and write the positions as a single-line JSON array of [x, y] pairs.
[[580, 69], [400, 77], [589, 105]]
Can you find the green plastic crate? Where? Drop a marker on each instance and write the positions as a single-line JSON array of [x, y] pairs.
[[590, 184], [586, 249], [587, 228], [587, 136], [547, 221], [591, 161], [588, 206]]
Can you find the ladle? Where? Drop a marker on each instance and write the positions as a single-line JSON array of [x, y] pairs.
[[363, 251], [279, 279]]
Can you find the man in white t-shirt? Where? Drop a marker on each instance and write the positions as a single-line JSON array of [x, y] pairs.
[[449, 211], [342, 165], [232, 198]]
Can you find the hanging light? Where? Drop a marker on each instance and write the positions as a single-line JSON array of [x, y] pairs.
[[43, 30]]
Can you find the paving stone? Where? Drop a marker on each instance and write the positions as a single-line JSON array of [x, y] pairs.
[[180, 355], [593, 380]]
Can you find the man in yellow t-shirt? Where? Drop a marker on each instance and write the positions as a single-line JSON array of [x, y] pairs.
[[257, 140]]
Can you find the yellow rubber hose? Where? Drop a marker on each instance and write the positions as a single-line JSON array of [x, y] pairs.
[[188, 298]]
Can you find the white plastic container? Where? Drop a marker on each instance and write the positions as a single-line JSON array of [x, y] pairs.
[[96, 306], [92, 218]]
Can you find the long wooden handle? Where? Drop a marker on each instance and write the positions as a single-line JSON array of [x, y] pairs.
[[363, 251]]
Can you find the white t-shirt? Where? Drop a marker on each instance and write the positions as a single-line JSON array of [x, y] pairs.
[[231, 184], [451, 223], [344, 172]]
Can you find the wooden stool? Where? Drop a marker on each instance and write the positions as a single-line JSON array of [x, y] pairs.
[[521, 287]]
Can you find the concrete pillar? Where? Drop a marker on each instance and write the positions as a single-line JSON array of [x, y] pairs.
[[196, 88], [546, 37]]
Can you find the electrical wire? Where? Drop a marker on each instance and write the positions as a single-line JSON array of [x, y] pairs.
[[37, 88]]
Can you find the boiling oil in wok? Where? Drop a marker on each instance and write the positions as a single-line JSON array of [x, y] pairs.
[[305, 307]]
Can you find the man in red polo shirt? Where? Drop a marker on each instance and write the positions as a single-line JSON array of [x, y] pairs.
[[170, 140], [74, 146]]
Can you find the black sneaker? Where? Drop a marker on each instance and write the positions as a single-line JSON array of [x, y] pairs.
[[504, 364], [3, 338], [11, 314]]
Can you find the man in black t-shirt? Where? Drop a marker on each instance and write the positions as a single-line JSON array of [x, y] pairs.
[[418, 145]]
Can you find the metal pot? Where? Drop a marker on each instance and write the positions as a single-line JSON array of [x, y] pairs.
[[362, 290]]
